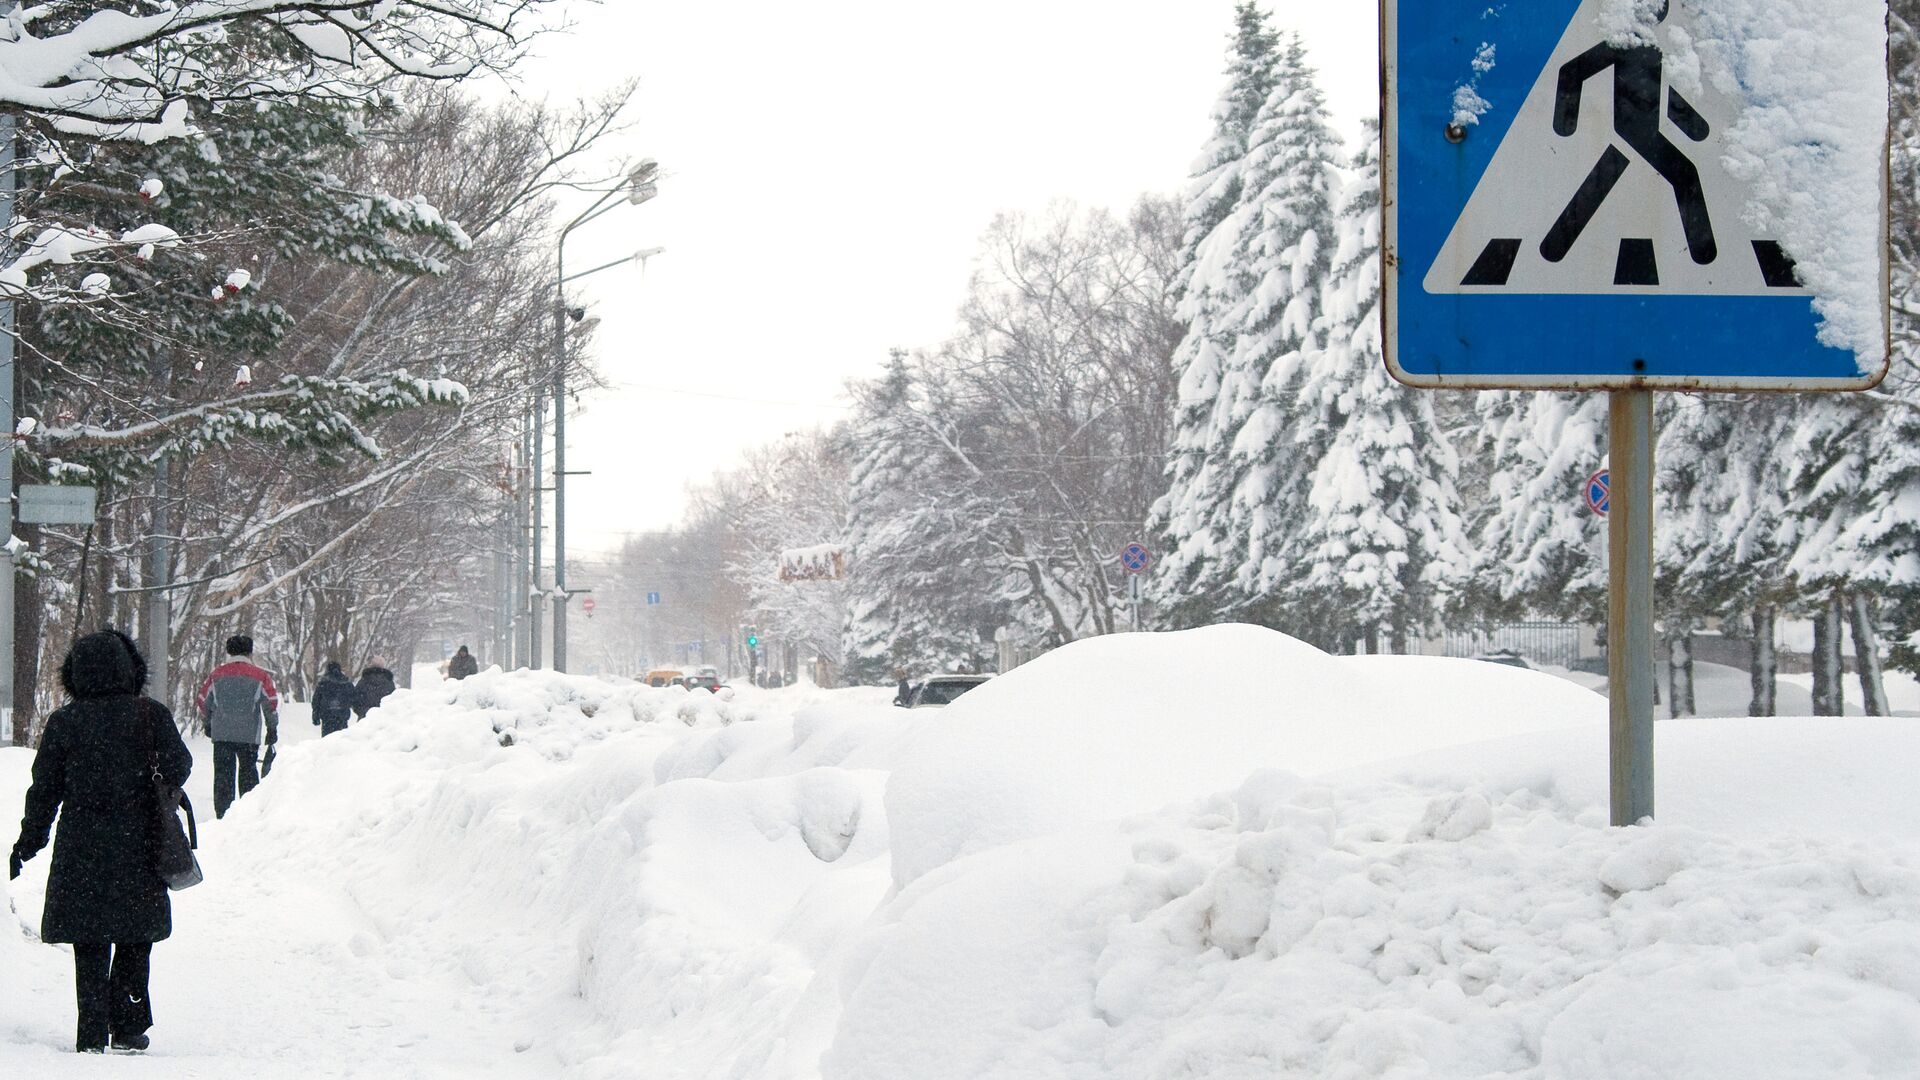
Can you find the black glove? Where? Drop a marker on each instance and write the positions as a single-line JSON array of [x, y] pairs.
[[13, 864], [273, 735]]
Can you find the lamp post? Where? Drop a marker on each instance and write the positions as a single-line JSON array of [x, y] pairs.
[[639, 188]]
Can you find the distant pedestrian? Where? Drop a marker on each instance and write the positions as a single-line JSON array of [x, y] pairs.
[[462, 665], [237, 698], [94, 770], [333, 700], [376, 682], [903, 694]]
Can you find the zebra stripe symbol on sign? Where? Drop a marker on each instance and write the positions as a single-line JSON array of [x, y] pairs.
[[1610, 179]]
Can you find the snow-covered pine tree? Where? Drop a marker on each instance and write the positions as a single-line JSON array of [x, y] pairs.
[[1720, 511], [920, 594], [1537, 549], [1189, 581], [1287, 241], [255, 188], [1829, 483], [1383, 539], [1896, 479]]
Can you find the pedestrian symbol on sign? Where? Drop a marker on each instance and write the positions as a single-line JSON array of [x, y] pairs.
[[1563, 208]]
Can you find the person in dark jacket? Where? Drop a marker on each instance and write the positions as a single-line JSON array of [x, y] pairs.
[[376, 682], [234, 701], [103, 894], [462, 665], [333, 700]]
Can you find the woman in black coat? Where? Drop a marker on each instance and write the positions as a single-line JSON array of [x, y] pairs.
[[103, 894]]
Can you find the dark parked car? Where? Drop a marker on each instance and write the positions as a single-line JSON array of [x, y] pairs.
[[939, 690], [1507, 657]]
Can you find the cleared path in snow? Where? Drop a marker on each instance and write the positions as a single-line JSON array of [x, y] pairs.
[[268, 974]]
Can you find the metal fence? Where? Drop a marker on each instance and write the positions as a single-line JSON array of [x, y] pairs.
[[1554, 643]]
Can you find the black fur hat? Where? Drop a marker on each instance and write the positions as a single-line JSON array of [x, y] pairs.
[[104, 664]]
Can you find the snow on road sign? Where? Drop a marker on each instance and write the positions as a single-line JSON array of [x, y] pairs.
[[1564, 207], [1599, 492], [1611, 179]]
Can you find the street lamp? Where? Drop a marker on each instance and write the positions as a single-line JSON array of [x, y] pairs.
[[641, 186]]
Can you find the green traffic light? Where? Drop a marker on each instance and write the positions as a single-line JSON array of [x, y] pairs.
[[753, 641]]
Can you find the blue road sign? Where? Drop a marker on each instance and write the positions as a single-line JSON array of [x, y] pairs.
[[1558, 213], [1135, 559], [1599, 492], [653, 598]]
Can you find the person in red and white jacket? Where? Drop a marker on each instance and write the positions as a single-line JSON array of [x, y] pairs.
[[234, 702]]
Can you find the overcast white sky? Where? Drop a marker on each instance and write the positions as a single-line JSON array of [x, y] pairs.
[[828, 168]]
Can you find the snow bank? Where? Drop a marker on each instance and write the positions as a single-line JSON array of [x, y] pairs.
[[1118, 725], [1219, 853]]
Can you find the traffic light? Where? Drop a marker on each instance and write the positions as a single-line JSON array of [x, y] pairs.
[[753, 640]]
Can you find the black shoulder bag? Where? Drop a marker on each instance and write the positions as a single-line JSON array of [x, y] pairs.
[[173, 846]]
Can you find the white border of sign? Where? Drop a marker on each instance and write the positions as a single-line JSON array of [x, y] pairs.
[[1390, 255]]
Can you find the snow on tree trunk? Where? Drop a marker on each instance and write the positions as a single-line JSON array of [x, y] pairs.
[[1764, 666], [1866, 655]]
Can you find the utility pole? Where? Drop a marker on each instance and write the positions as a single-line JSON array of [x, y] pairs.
[[157, 621], [639, 188], [539, 522], [560, 597], [7, 314], [522, 588]]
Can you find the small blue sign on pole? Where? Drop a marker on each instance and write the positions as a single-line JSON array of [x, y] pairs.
[[1134, 558], [1599, 492], [1559, 211], [653, 598]]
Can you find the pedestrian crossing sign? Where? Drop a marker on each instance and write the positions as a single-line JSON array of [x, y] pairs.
[[1561, 210]]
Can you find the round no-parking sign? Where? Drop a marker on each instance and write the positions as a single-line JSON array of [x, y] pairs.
[[1599, 488]]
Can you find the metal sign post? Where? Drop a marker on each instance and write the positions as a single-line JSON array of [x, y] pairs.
[[1558, 214], [1630, 605]]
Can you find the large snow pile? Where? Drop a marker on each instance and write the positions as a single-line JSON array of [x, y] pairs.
[[1219, 853]]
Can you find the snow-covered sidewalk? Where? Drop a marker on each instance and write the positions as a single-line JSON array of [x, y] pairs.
[[270, 973], [1280, 863]]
